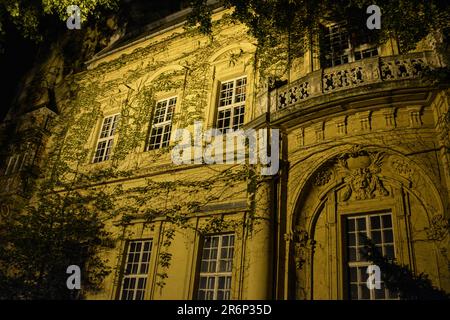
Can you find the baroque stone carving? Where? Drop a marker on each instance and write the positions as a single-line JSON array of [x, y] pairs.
[[322, 177], [362, 170], [401, 167], [402, 68], [340, 79], [439, 228], [443, 125], [302, 245], [293, 95]]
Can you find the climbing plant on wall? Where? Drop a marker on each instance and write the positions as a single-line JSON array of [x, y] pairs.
[[281, 21], [73, 194]]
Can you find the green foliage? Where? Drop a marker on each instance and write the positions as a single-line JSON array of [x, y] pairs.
[[67, 168], [28, 16], [201, 13], [276, 23], [135, 116], [39, 243], [399, 278], [63, 226]]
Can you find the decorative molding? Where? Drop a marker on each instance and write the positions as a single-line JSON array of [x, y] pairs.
[[322, 177], [389, 117], [301, 137], [319, 131], [401, 167], [341, 125], [439, 228], [415, 116], [365, 120]]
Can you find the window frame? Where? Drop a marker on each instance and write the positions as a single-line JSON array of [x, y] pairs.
[[216, 274], [233, 105], [136, 276], [351, 50], [107, 139], [14, 163], [357, 264], [18, 161], [163, 124]]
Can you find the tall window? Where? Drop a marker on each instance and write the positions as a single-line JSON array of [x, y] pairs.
[[135, 274], [231, 104], [340, 48], [162, 124], [377, 227], [106, 139], [216, 268]]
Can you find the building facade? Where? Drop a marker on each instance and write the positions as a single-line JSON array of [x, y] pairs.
[[364, 151]]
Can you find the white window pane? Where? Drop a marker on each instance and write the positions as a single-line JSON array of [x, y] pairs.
[[106, 141], [377, 227], [231, 104], [136, 269], [161, 126], [216, 267]]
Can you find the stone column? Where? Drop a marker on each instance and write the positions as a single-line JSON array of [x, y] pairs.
[[259, 244]]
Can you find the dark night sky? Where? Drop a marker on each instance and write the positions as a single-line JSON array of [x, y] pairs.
[[18, 55], [16, 58]]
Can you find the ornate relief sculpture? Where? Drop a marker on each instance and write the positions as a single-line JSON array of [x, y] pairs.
[[439, 228], [361, 169], [322, 177], [302, 246]]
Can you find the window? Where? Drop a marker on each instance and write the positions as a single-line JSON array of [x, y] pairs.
[[15, 163], [162, 124], [231, 104], [377, 227], [136, 270], [216, 268], [106, 139], [340, 49]]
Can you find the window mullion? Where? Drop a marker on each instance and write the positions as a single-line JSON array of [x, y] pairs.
[[141, 256], [219, 250], [234, 92], [216, 279], [135, 288], [166, 109], [8, 167], [110, 128]]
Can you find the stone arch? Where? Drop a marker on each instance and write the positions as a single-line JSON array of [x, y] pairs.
[[414, 166], [235, 47], [162, 70], [363, 177]]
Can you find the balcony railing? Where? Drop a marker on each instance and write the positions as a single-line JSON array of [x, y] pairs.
[[351, 75]]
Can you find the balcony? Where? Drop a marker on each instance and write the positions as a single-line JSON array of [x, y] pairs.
[[364, 73]]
